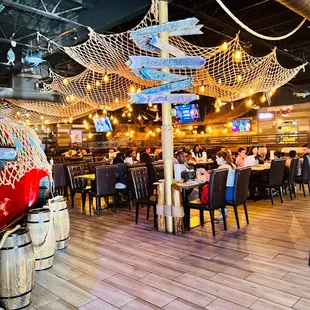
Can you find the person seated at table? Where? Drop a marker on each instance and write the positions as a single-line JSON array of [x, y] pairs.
[[292, 154], [131, 157], [119, 158], [146, 156], [263, 154], [241, 157], [254, 152], [224, 161], [196, 152], [190, 158], [277, 155], [180, 159]]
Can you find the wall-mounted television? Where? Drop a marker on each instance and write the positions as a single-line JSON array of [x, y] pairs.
[[241, 125], [186, 113], [103, 124]]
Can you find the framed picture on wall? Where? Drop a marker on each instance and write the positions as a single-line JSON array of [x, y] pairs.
[[76, 136]]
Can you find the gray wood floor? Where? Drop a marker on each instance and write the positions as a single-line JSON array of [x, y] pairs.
[[112, 263]]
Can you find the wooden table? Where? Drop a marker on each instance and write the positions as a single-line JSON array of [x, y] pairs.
[[260, 167], [87, 177]]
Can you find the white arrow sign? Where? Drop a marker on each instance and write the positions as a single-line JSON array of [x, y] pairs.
[[161, 44]]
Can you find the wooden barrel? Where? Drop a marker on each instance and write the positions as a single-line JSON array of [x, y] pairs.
[[41, 227], [62, 221], [16, 270]]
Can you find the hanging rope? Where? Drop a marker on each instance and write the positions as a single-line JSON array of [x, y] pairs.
[[240, 23]]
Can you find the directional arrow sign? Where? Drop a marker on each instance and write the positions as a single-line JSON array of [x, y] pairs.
[[189, 62], [186, 31], [143, 42], [162, 45], [168, 27], [155, 75], [165, 88], [173, 98]]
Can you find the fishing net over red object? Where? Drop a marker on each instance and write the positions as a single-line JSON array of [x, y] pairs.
[[30, 153]]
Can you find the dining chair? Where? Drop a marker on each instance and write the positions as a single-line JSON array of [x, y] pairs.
[[216, 200], [77, 185], [92, 166], [139, 177], [121, 179], [104, 186], [275, 178], [240, 194], [304, 178], [129, 181], [60, 180], [156, 172], [290, 181]]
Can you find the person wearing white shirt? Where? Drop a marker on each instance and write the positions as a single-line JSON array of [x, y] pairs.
[[131, 157]]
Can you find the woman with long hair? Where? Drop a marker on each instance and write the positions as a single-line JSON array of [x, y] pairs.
[[196, 152]]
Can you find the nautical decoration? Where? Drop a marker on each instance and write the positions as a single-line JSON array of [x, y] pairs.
[[10, 57], [33, 59]]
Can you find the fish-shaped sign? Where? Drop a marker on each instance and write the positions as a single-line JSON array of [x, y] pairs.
[[168, 27], [158, 98], [33, 59], [189, 62], [170, 87], [156, 75]]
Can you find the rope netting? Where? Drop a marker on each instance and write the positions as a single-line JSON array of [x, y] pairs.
[[30, 153], [230, 73]]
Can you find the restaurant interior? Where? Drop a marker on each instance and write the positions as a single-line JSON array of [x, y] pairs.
[[154, 154]]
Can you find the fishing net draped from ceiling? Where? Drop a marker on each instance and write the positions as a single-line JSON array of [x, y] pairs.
[[230, 73]]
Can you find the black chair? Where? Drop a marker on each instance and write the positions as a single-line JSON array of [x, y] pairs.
[[241, 183], [305, 174], [77, 185], [275, 178], [156, 172], [217, 193], [60, 180], [104, 186], [139, 177], [129, 182], [290, 181], [92, 166], [122, 178]]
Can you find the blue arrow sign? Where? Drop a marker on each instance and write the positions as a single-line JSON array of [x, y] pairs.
[[162, 45], [173, 98], [166, 88], [143, 42], [186, 31], [189, 62], [167, 27], [155, 75]]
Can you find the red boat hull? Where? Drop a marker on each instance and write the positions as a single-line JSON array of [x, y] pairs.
[[14, 202]]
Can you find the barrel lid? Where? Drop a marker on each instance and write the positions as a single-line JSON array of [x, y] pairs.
[[39, 210]]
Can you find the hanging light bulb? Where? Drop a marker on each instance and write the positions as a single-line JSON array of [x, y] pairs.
[[217, 110], [58, 125], [130, 109], [139, 90], [18, 113], [65, 121], [111, 117], [239, 78], [202, 132], [251, 91], [232, 106], [132, 89], [89, 87], [158, 130], [263, 99], [129, 114], [139, 117], [115, 121], [219, 102], [68, 98], [65, 82], [124, 114], [250, 102], [116, 100], [237, 55], [97, 83], [104, 111], [202, 88], [150, 105], [90, 115], [219, 81], [273, 90], [72, 98], [106, 78], [70, 119], [41, 117], [224, 46], [153, 134], [90, 135]]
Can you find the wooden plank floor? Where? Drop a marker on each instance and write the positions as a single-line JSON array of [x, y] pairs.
[[112, 263]]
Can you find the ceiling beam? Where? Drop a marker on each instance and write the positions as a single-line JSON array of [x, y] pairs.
[[30, 9]]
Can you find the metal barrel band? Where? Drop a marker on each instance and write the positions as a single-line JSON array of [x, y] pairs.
[[63, 239], [38, 222], [60, 209], [16, 246], [17, 296], [44, 258]]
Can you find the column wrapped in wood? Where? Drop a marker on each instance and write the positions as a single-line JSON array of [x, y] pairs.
[[177, 210], [161, 223]]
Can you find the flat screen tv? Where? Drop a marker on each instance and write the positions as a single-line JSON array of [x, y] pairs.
[[187, 113], [241, 125], [102, 124]]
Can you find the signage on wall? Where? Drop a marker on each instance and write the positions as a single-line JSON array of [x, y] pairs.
[[266, 116], [76, 136]]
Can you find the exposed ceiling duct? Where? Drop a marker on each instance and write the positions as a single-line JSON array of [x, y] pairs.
[[301, 7], [10, 93]]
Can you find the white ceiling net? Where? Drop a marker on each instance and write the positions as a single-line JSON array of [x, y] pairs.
[[230, 73]]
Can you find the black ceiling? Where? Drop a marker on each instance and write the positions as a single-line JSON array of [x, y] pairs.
[[266, 17]]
